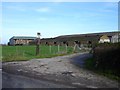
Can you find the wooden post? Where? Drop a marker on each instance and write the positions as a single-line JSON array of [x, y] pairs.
[[50, 48], [37, 49], [66, 47], [74, 47], [23, 53], [37, 44], [58, 48]]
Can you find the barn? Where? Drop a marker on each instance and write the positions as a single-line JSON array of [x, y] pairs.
[[21, 40], [104, 39], [115, 38]]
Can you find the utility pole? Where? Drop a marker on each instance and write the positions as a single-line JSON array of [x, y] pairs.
[[38, 43]]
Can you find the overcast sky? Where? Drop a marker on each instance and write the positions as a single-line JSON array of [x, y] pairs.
[[57, 18]]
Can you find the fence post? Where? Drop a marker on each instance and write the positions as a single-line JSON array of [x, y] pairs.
[[74, 48], [23, 53], [37, 44], [50, 48], [66, 48], [58, 48]]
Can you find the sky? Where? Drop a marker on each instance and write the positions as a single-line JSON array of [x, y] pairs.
[[53, 19]]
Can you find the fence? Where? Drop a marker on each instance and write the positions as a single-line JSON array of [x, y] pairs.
[[29, 52]]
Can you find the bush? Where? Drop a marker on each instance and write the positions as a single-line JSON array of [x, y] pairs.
[[107, 58]]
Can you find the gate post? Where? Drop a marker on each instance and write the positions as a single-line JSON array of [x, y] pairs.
[[38, 43]]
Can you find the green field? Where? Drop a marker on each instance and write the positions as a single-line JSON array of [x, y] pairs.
[[13, 53]]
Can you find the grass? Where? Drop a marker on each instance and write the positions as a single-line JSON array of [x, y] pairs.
[[90, 65], [13, 53]]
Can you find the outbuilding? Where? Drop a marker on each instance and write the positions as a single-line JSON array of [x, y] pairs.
[[104, 39], [21, 40], [115, 38]]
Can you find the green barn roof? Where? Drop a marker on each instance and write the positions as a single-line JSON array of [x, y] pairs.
[[23, 37]]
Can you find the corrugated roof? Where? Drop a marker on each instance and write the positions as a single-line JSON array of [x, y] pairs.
[[104, 37], [23, 37]]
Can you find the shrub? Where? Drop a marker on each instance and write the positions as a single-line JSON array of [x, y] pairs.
[[107, 57]]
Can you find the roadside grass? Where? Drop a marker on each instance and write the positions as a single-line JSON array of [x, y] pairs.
[[20, 53], [90, 65]]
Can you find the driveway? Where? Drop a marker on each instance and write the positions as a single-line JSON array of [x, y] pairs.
[[80, 59], [18, 81], [61, 70]]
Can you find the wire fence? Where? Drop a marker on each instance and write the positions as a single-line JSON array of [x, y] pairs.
[[28, 52]]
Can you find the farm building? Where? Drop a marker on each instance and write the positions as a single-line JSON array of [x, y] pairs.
[[115, 38], [21, 40], [84, 39], [104, 39]]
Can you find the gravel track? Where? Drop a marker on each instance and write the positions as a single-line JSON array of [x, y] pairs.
[[61, 69]]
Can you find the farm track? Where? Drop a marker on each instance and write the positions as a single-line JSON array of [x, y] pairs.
[[63, 70]]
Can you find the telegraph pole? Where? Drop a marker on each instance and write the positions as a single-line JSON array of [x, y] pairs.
[[38, 43]]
